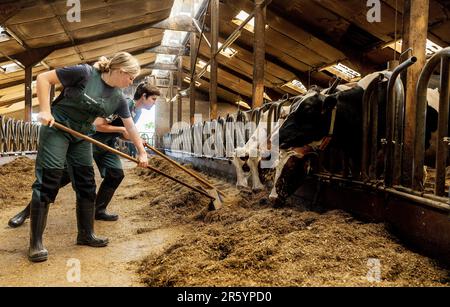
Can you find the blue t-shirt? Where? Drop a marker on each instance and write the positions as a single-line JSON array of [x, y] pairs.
[[116, 120], [74, 80]]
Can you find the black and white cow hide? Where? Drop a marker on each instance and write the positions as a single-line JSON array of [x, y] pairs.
[[309, 122]]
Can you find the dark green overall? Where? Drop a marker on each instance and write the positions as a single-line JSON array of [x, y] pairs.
[[110, 169], [103, 158], [55, 148]]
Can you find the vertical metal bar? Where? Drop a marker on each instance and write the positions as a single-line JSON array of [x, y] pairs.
[[179, 82], [170, 101], [365, 143], [442, 144], [374, 136], [421, 94], [259, 54], [399, 129], [368, 101], [214, 64], [28, 93], [391, 108], [193, 42], [415, 36]]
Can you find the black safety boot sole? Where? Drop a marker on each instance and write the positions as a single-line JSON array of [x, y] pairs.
[[93, 243], [106, 217], [41, 256]]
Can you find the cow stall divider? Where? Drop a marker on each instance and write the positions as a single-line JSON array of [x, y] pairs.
[[378, 194], [216, 145], [419, 217], [219, 138], [369, 148], [18, 137], [441, 58], [394, 124]]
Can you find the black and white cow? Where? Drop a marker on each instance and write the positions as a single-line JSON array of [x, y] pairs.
[[247, 158], [309, 122]]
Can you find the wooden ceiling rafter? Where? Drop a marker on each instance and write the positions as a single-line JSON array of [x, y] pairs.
[[112, 34], [358, 59], [225, 65], [226, 94], [240, 86], [66, 31], [89, 61]]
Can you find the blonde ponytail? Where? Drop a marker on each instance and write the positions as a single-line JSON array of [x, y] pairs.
[[122, 60], [103, 64]]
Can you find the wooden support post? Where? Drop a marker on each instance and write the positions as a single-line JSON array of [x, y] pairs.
[[179, 82], [28, 93], [214, 64], [170, 101], [193, 43], [415, 37], [259, 54]]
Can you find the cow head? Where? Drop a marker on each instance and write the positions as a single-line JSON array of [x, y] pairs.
[[308, 121], [295, 164]]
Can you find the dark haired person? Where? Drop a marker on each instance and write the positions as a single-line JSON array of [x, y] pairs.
[[108, 163]]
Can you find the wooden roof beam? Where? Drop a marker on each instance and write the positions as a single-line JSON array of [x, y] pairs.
[[241, 86], [9, 8], [22, 81], [277, 16], [177, 23], [219, 85], [13, 83], [163, 66], [228, 70], [22, 98], [273, 89], [358, 59], [47, 50], [275, 74], [169, 50], [66, 31], [300, 75], [225, 93]]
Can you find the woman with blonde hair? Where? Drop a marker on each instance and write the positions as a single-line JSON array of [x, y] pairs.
[[88, 92], [108, 164]]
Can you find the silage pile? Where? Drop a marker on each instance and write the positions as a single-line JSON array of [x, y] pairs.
[[250, 243], [16, 179], [170, 200]]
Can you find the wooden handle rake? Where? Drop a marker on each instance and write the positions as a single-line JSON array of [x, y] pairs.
[[215, 200], [193, 174]]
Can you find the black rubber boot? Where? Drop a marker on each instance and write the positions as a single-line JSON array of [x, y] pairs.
[[85, 221], [20, 217], [104, 196], [23, 215], [110, 183], [36, 251]]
